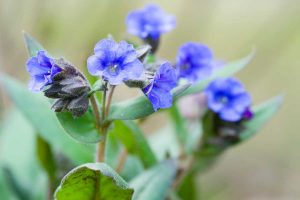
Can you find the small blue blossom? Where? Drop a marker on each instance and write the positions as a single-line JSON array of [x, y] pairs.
[[159, 91], [195, 61], [41, 69], [115, 62], [228, 98], [149, 22]]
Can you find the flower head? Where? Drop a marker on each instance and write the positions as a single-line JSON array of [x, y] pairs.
[[195, 61], [159, 90], [41, 69], [228, 98], [115, 62], [149, 22]]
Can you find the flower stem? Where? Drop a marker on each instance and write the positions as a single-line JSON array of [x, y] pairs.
[[109, 99], [104, 126], [101, 150], [95, 110], [103, 103]]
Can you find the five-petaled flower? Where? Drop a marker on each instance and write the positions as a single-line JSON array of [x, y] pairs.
[[194, 61], [115, 62], [41, 69], [159, 90], [149, 22], [228, 98]]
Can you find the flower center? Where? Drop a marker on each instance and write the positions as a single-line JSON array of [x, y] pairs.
[[223, 99], [113, 70]]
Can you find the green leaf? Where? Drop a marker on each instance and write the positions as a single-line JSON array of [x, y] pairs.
[[187, 189], [95, 181], [45, 157], [262, 113], [179, 124], [138, 107], [226, 71], [134, 141], [82, 129], [17, 154], [132, 167], [154, 183], [36, 109], [14, 184], [31, 44]]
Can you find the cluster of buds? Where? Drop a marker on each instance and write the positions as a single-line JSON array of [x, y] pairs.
[[70, 89]]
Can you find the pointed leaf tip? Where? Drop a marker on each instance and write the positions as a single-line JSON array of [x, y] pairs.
[[31, 44]]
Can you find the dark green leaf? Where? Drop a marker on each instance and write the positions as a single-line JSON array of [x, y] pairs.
[[36, 109], [31, 44], [83, 128], [95, 181], [154, 183], [262, 113], [45, 157], [134, 141], [187, 189]]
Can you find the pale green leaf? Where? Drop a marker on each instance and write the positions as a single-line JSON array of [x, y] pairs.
[[154, 183]]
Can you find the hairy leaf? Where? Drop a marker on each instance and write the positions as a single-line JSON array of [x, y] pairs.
[[93, 181]]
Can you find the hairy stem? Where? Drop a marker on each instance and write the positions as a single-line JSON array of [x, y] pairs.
[[95, 110], [103, 103], [101, 150], [109, 99]]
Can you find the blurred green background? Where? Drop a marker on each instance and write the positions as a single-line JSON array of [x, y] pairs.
[[268, 166]]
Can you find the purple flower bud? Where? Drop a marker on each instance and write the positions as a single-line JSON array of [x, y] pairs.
[[159, 90], [228, 98], [42, 70], [195, 61], [149, 22], [115, 62]]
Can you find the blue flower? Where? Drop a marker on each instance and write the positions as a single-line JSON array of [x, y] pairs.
[[159, 91], [149, 22], [228, 98], [41, 69], [195, 61], [115, 62]]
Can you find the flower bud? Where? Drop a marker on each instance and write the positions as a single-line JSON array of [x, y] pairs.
[[70, 88]]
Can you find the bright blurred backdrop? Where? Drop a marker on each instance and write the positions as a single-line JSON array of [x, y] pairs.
[[266, 167]]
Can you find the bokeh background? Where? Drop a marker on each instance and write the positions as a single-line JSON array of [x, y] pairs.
[[268, 166]]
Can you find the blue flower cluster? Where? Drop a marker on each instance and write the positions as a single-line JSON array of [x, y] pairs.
[[159, 91], [115, 62], [229, 99], [41, 69], [195, 61], [149, 22]]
